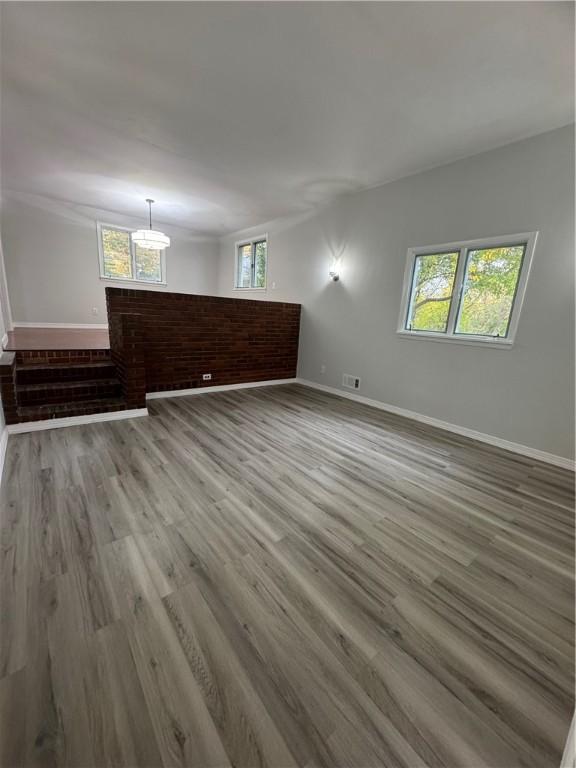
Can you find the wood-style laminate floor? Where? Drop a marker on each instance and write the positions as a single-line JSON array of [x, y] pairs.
[[277, 577]]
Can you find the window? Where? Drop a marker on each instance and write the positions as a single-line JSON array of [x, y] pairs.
[[432, 288], [121, 259], [467, 292], [251, 257]]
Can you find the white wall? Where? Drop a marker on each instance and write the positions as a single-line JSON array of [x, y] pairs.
[[4, 308], [4, 323], [5, 314], [525, 394], [51, 258]]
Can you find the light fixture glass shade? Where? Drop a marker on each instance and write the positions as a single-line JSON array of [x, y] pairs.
[[151, 238]]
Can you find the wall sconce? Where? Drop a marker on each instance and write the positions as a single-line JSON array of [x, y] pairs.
[[335, 268]]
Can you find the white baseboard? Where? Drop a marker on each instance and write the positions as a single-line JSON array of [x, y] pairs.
[[216, 388], [93, 326], [569, 756], [524, 450], [3, 445], [69, 421], [92, 418], [74, 421]]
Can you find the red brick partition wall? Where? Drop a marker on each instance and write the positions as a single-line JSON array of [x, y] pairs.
[[186, 335], [127, 352], [8, 387]]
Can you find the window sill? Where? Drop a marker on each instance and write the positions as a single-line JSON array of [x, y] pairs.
[[249, 289], [124, 280], [473, 341]]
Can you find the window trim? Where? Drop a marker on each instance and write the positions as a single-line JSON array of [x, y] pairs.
[[250, 241], [103, 225], [463, 247]]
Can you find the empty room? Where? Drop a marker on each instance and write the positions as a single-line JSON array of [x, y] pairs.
[[287, 384]]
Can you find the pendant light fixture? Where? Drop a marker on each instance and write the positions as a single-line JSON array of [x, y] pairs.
[[150, 238]]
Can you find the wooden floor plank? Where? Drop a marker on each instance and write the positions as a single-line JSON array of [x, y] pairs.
[[246, 728], [278, 577], [185, 732]]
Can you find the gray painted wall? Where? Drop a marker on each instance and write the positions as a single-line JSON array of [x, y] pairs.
[[51, 258], [4, 321], [524, 394]]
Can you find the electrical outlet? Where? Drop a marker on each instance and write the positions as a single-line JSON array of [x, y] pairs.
[[322, 369], [206, 376], [95, 310], [273, 286], [350, 381]]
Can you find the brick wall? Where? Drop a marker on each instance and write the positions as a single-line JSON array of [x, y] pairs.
[[185, 336], [8, 387], [127, 344], [61, 356]]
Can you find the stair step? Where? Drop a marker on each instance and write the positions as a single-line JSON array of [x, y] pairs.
[[62, 356], [78, 408], [59, 372], [66, 391]]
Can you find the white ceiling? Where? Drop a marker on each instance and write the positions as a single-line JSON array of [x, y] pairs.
[[231, 114]]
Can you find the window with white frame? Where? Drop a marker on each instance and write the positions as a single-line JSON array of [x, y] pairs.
[[469, 291], [121, 259], [251, 262]]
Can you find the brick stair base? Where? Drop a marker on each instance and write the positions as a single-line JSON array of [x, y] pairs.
[[62, 410], [50, 384], [66, 392], [44, 373], [62, 356]]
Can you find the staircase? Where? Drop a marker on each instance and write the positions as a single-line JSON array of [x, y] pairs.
[[59, 383], [42, 377]]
